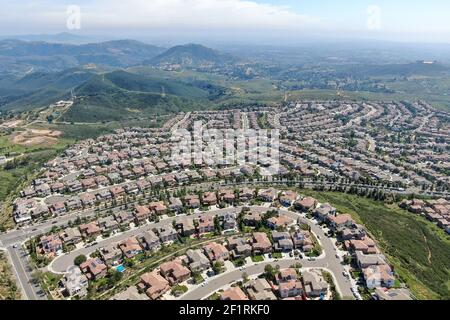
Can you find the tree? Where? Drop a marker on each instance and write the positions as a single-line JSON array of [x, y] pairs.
[[80, 259], [269, 272], [217, 267], [114, 277], [217, 226]]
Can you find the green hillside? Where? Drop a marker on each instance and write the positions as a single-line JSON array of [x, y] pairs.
[[134, 82], [191, 55], [119, 95], [418, 250], [121, 104]]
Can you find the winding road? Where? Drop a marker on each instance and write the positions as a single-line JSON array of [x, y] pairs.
[[328, 260]]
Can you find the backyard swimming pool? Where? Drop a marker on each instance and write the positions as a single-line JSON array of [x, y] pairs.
[[120, 268]]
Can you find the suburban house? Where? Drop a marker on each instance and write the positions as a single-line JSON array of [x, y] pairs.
[[88, 183], [378, 276], [366, 245], [282, 241], [289, 284], [143, 185], [141, 213], [149, 240], [130, 247], [159, 208], [280, 221], [228, 220], [302, 240], [124, 217], [167, 234], [74, 186], [367, 260], [58, 208], [111, 254], [268, 195], [94, 268], [239, 247], [73, 203], [174, 272], [216, 252], [340, 222], [51, 244], [74, 282], [197, 260], [305, 204], [246, 194], [91, 229], [108, 223], [71, 236], [153, 284], [227, 195], [352, 233], [104, 195], [234, 294], [192, 201], [287, 198], [261, 243], [209, 199], [260, 289], [252, 218], [87, 199], [175, 204], [117, 192], [57, 187], [323, 211], [186, 226], [314, 283], [205, 224]]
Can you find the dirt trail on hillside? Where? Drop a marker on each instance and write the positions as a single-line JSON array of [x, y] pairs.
[[429, 250]]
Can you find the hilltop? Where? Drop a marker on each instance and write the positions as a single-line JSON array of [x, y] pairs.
[[191, 55]]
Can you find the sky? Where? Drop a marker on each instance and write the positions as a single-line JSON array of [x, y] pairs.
[[262, 21]]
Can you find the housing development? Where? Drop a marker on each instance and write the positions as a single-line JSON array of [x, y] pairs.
[[223, 159], [117, 218]]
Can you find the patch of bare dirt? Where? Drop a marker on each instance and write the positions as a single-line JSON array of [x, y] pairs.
[[11, 124], [31, 137]]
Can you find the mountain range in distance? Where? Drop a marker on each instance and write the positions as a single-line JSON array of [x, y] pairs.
[[107, 95], [63, 37], [107, 80], [97, 74], [18, 57]]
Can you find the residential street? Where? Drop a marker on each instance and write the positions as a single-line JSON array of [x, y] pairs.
[[328, 259], [17, 236], [23, 273], [230, 277], [60, 264]]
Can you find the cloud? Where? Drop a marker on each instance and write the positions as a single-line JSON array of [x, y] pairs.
[[162, 14]]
